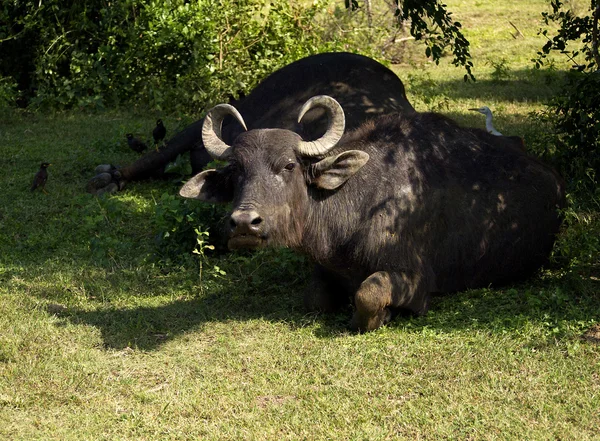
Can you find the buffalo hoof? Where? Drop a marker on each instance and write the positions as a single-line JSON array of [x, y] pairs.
[[372, 302], [110, 188], [98, 182], [383, 295], [107, 180], [104, 168]]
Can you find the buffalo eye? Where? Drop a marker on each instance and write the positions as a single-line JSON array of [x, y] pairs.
[[290, 166]]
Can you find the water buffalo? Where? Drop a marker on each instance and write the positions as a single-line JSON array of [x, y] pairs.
[[402, 207], [364, 87]]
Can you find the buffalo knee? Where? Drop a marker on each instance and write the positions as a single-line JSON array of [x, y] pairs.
[[372, 302], [382, 294]]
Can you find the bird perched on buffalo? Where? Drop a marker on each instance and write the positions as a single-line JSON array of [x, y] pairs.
[[515, 141], [135, 144], [488, 120], [40, 178], [159, 132]]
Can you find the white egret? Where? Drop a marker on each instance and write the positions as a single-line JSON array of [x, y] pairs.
[[488, 120]]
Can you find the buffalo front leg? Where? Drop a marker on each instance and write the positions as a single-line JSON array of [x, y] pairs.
[[382, 294], [109, 179], [327, 292]]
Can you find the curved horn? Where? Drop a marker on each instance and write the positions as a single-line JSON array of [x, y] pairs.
[[211, 130], [335, 128]]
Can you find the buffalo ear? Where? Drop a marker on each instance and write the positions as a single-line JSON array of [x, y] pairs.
[[209, 186], [330, 173]]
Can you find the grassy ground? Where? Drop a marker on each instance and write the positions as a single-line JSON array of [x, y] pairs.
[[104, 337]]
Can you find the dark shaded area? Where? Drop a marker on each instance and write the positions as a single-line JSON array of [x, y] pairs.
[[547, 302], [22, 62], [45, 36], [148, 327]]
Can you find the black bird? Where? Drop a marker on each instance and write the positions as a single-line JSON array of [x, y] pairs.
[[40, 178], [159, 132], [135, 144]]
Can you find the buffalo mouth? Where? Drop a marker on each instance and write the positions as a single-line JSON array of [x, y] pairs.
[[248, 241]]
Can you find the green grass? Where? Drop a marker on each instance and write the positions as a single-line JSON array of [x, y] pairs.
[[102, 337]]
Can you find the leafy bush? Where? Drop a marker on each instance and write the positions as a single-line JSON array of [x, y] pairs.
[[8, 92], [579, 245], [575, 115], [575, 112], [182, 55], [577, 121], [163, 54]]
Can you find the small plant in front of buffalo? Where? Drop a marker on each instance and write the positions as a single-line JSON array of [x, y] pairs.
[[202, 246], [180, 224]]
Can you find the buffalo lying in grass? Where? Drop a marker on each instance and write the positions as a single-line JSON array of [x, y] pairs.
[[404, 206], [364, 87]]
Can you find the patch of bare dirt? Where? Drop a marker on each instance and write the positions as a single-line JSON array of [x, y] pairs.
[[593, 334], [273, 400]]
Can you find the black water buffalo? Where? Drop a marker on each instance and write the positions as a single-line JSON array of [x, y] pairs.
[[404, 206], [364, 87]]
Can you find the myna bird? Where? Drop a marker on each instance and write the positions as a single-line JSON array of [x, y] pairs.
[[159, 132], [135, 144], [40, 178]]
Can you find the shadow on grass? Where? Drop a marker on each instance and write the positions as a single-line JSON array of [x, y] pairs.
[[523, 85], [147, 327], [559, 306]]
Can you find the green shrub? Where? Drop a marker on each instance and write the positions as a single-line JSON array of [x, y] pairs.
[[501, 70], [575, 114], [577, 120], [578, 247], [8, 92], [161, 54]]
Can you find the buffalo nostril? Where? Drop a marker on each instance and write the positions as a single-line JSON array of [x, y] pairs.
[[245, 222]]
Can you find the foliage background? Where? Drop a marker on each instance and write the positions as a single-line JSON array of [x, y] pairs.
[[161, 54]]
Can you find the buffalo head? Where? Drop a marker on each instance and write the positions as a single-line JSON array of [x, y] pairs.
[[268, 175]]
